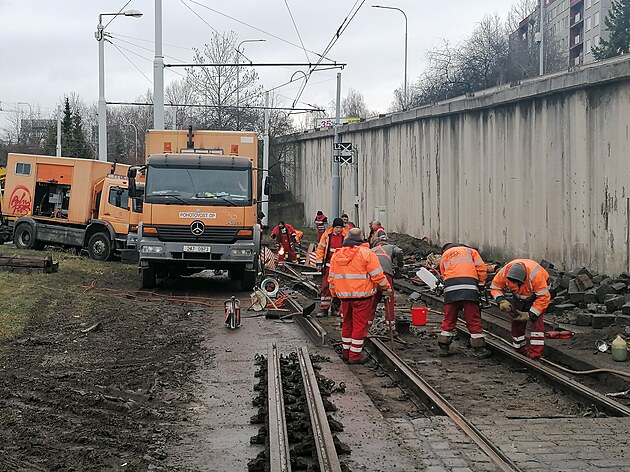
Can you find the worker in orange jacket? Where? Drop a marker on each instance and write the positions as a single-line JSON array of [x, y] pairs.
[[331, 240], [355, 277], [521, 289], [464, 274]]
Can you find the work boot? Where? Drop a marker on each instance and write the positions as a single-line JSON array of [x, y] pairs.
[[363, 360], [481, 352], [444, 349]]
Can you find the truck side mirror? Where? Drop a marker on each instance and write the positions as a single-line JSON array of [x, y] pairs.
[[131, 176], [267, 187]]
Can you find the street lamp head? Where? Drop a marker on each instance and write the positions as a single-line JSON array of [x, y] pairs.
[[133, 13]]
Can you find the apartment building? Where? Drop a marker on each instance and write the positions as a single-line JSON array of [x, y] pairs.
[[576, 26]]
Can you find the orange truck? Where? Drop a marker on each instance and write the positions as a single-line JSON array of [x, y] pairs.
[[68, 202], [199, 205]]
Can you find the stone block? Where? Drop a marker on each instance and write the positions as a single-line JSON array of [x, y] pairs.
[[598, 279], [546, 264], [584, 282], [626, 309], [591, 307], [576, 297], [602, 291], [590, 296], [563, 308], [614, 303], [587, 272], [619, 287], [602, 321], [622, 320], [564, 281], [601, 308], [574, 273], [584, 319], [573, 287]]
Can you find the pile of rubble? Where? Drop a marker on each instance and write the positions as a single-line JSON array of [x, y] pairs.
[[586, 298]]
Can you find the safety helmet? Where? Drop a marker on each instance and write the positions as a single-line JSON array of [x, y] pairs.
[[447, 246], [517, 274]]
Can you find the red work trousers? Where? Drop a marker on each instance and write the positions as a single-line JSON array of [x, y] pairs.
[[390, 316], [536, 340], [326, 298], [287, 252], [471, 315], [355, 314]]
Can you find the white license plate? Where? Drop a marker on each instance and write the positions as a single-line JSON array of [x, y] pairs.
[[197, 249]]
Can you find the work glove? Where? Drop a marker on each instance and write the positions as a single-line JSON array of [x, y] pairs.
[[505, 306], [520, 316], [387, 294], [273, 236], [533, 317]]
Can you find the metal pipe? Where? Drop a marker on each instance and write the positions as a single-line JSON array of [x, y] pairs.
[[336, 177]]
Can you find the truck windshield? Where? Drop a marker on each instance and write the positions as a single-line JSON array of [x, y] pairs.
[[192, 186]]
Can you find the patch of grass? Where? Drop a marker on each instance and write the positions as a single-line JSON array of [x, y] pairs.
[[24, 298]]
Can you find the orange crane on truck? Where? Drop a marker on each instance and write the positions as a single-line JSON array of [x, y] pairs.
[[68, 202], [199, 205]]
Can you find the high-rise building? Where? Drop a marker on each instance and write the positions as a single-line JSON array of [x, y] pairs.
[[575, 26]]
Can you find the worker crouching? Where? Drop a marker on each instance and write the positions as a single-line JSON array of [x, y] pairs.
[[521, 289], [284, 235], [464, 274], [355, 277]]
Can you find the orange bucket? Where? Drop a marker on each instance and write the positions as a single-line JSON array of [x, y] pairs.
[[419, 315]]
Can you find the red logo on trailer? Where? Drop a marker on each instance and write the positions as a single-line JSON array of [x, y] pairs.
[[20, 200]]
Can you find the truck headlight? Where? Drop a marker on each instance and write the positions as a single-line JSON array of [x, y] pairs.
[[152, 249], [241, 252]]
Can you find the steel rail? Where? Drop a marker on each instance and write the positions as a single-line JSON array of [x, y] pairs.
[[425, 392], [497, 344], [327, 457], [310, 326], [279, 458]]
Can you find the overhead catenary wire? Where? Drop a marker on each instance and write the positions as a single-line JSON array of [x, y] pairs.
[[297, 30], [200, 17], [255, 28], [131, 62]]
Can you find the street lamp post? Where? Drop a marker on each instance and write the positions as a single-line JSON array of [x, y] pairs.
[[135, 128], [102, 109], [238, 78], [405, 84]]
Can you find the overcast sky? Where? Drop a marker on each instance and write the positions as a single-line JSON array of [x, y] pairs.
[[48, 49]]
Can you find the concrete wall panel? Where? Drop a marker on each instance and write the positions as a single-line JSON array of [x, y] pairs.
[[539, 170]]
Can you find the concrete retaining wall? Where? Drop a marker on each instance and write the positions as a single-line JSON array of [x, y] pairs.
[[538, 169]]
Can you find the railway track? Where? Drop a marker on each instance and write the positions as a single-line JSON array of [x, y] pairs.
[[325, 453], [569, 399]]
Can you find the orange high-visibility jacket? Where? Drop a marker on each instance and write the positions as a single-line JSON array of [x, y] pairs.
[[462, 270], [324, 251], [535, 290], [355, 272]]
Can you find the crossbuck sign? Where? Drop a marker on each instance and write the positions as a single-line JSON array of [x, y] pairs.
[[342, 153]]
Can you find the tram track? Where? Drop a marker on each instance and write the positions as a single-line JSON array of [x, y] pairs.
[[427, 392]]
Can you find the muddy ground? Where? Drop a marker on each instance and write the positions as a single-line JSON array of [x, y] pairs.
[[93, 374]]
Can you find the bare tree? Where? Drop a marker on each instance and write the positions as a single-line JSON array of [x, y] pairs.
[[354, 105]]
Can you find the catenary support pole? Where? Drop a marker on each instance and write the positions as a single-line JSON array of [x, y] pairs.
[[58, 147], [336, 178], [265, 197], [542, 37], [158, 71]]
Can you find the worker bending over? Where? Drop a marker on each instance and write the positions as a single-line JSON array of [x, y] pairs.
[[355, 277], [388, 254], [464, 274], [284, 235], [521, 289]]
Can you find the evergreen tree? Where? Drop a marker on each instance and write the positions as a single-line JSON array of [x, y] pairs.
[[618, 25], [73, 142]]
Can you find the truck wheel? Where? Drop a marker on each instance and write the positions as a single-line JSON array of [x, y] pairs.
[[100, 247], [148, 276], [236, 274], [24, 237], [248, 280]]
